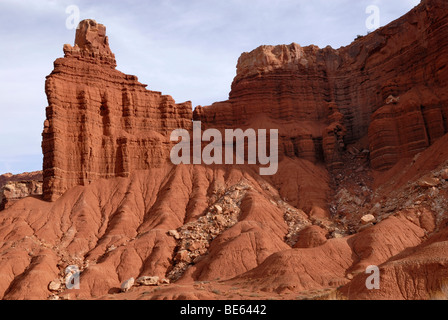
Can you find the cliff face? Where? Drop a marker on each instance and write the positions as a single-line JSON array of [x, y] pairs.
[[28, 176], [385, 94], [289, 88], [102, 123], [324, 99], [14, 191], [389, 85], [20, 186]]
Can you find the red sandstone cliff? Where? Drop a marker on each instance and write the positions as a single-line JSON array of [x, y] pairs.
[[324, 99], [19, 186], [28, 176], [225, 232]]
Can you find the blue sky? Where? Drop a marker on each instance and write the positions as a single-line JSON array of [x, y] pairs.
[[185, 48]]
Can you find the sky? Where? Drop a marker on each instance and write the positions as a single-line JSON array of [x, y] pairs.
[[185, 48]]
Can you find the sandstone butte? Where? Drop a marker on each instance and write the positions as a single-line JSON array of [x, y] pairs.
[[362, 178], [19, 186]]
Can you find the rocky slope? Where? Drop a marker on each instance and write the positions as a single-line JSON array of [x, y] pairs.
[[100, 122], [362, 179]]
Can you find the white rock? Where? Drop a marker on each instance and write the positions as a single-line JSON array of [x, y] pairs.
[[428, 182], [148, 281], [54, 285], [377, 207], [127, 285]]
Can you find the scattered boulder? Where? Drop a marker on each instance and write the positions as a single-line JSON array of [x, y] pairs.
[[174, 234], [434, 192], [197, 245], [218, 209], [345, 197], [319, 213], [444, 174], [195, 237], [127, 285], [183, 256], [311, 237], [14, 191]]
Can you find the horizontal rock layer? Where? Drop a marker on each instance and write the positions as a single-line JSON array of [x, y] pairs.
[[101, 123], [19, 186], [212, 229], [14, 191], [323, 99]]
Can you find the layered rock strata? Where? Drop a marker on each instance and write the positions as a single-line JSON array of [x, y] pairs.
[[323, 99], [225, 232], [14, 191], [19, 186], [101, 123]]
